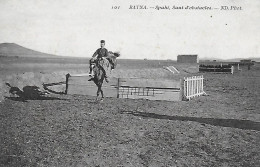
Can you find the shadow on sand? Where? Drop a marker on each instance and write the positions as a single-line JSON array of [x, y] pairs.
[[28, 93], [233, 123]]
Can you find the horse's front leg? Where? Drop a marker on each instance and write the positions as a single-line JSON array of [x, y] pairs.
[[100, 91]]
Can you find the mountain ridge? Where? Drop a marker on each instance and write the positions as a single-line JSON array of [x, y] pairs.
[[15, 50]]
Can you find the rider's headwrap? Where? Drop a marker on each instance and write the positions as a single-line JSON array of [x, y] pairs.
[[102, 41]]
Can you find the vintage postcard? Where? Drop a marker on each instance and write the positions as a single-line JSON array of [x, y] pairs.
[[119, 83]]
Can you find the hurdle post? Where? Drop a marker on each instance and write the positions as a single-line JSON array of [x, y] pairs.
[[118, 86], [182, 89], [67, 83]]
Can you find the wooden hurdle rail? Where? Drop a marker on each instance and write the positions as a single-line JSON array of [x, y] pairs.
[[152, 89], [193, 87]]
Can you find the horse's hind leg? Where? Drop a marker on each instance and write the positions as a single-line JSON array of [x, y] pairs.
[[97, 94]]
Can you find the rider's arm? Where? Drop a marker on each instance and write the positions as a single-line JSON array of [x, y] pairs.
[[95, 54]]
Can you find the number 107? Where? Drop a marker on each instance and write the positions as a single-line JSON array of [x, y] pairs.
[[115, 7]]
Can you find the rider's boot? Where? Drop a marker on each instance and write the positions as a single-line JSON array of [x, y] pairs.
[[90, 73]]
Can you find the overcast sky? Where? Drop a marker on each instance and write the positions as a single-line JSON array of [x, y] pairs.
[[75, 27]]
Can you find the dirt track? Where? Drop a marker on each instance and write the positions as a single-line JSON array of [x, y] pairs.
[[221, 129]]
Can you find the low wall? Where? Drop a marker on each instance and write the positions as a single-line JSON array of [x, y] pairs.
[[30, 79]]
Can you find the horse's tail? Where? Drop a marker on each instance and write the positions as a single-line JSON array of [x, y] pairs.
[[116, 54], [112, 59]]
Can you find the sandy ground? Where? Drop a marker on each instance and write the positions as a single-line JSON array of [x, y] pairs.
[[220, 129]]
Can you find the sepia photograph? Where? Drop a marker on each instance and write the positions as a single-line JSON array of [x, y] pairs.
[[120, 83]]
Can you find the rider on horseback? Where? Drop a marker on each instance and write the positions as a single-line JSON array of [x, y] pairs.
[[98, 56]]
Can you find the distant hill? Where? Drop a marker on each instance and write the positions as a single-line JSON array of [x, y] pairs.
[[12, 49], [257, 59]]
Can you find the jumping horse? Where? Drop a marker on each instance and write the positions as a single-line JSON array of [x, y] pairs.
[[100, 67]]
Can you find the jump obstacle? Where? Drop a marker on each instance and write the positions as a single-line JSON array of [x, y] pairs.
[[216, 68], [172, 69], [138, 88], [193, 87]]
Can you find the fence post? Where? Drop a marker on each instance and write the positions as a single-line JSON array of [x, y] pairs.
[[182, 87], [118, 85], [188, 87], [192, 86], [67, 83], [232, 69], [202, 81], [197, 85], [200, 84]]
